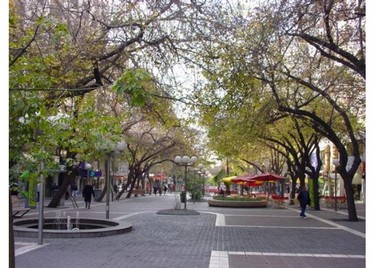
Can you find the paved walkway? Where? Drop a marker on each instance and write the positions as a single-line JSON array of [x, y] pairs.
[[218, 237]]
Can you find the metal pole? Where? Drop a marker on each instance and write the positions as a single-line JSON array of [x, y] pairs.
[[41, 204], [335, 195], [107, 194], [185, 188], [203, 185]]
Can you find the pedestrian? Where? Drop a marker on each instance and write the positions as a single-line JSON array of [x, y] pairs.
[[115, 189], [38, 189], [155, 189], [221, 192], [304, 200], [165, 189], [88, 190], [73, 189]]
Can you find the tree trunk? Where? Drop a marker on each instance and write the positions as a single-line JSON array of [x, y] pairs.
[[293, 191], [107, 172], [133, 181], [124, 187], [227, 188], [316, 190], [352, 211], [12, 257], [62, 189], [302, 178], [315, 175], [102, 194]]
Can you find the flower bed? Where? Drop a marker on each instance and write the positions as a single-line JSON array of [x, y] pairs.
[[278, 200], [329, 201], [237, 201]]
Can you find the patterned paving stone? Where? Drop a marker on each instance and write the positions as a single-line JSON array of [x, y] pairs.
[[181, 240]]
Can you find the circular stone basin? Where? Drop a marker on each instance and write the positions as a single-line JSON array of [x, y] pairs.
[[237, 204], [53, 228]]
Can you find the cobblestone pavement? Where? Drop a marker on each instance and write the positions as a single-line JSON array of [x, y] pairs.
[[218, 237]]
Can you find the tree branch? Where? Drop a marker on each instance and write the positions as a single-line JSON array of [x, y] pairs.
[[352, 62]]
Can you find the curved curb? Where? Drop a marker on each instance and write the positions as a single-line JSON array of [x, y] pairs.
[[21, 229]]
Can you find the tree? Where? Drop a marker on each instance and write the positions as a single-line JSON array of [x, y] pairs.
[[149, 147], [325, 87], [61, 52], [300, 145], [271, 52]]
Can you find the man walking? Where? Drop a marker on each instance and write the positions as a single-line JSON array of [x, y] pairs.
[[87, 192], [304, 200]]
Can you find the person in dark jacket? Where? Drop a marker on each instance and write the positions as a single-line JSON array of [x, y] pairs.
[[304, 200], [88, 190]]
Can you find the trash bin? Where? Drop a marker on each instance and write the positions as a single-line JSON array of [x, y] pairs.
[[97, 193], [183, 197], [27, 203]]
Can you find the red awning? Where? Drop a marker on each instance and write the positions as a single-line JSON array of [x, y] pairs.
[[267, 177]]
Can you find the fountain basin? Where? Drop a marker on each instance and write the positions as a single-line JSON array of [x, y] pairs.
[[237, 204], [87, 228]]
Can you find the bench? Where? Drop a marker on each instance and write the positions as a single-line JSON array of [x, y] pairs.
[[138, 192], [17, 208]]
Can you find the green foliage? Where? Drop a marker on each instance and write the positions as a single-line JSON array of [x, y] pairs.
[[29, 130], [95, 129], [217, 178], [136, 83], [139, 88], [194, 186], [13, 188]]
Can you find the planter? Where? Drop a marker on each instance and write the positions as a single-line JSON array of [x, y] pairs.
[[237, 204], [329, 202]]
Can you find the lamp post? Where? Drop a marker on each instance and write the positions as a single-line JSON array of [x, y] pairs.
[[41, 203], [88, 167], [120, 147], [336, 163], [185, 161]]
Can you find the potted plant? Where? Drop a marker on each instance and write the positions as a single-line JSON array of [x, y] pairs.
[[13, 188]]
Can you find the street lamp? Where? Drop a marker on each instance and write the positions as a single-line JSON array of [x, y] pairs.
[[111, 149], [185, 161], [336, 163], [88, 166], [41, 202]]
